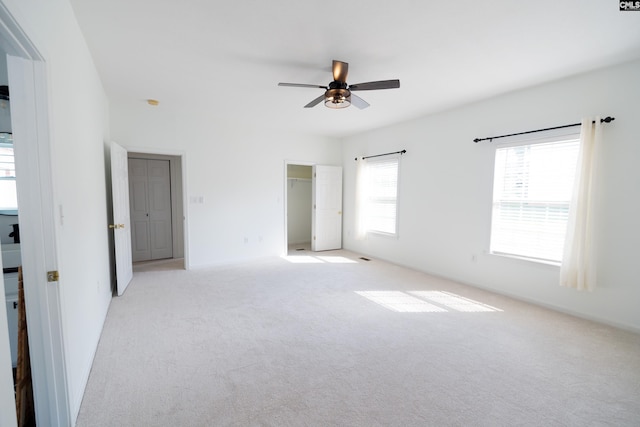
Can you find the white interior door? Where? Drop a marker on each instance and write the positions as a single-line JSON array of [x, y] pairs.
[[326, 222], [121, 224]]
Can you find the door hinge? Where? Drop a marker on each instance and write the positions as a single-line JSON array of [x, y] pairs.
[[53, 276], [314, 237]]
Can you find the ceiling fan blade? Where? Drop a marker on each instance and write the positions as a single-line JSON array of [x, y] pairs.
[[340, 70], [358, 102], [315, 102], [301, 85], [382, 84]]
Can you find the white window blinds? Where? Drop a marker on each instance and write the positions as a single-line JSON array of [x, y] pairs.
[[531, 196], [382, 192]]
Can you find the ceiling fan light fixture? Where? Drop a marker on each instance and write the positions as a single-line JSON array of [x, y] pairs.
[[337, 98], [338, 92]]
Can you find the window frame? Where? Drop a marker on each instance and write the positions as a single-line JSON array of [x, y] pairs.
[[6, 141], [558, 136], [386, 159]]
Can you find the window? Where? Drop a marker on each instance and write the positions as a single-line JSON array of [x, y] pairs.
[[381, 195], [8, 196], [532, 191]]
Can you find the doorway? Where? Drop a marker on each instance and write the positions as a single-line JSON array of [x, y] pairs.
[[313, 207], [12, 257], [150, 206], [156, 207], [27, 79], [299, 207]]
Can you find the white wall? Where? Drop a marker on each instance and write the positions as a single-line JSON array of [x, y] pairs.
[[446, 188], [78, 116], [239, 172]]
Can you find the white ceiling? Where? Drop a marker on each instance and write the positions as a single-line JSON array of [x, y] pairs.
[[226, 58]]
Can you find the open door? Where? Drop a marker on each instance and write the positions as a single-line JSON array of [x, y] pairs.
[[121, 223], [326, 221]]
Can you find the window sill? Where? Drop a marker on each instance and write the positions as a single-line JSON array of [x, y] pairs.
[[382, 234], [552, 264]]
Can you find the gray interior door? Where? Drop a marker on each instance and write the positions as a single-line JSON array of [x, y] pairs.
[[150, 200]]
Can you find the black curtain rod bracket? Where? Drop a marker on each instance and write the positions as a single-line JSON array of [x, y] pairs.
[[607, 119], [401, 152]]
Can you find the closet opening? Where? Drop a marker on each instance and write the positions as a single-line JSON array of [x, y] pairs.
[[299, 207], [156, 209]]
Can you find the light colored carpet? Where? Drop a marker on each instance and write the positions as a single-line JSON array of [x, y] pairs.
[[331, 340], [159, 265]]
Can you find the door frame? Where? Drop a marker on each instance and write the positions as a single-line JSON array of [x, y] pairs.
[[286, 201], [180, 157], [30, 122]]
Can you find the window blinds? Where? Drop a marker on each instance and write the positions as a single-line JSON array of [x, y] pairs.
[[531, 196], [382, 195]]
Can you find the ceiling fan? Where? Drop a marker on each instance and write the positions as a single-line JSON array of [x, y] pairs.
[[338, 93]]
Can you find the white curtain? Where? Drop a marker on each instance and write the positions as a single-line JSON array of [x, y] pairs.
[[578, 268], [361, 199]]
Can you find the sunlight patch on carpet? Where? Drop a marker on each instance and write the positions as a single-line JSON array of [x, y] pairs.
[[425, 302], [309, 259], [400, 301], [454, 302]]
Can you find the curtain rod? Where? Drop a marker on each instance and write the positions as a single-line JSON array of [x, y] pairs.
[[607, 119], [385, 154]]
